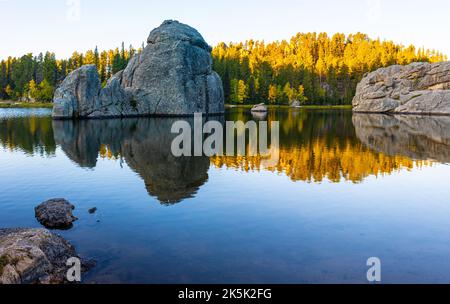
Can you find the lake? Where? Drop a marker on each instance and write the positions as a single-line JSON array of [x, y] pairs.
[[347, 187]]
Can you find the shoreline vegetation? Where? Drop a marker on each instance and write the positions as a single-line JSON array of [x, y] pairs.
[[8, 104], [307, 107]]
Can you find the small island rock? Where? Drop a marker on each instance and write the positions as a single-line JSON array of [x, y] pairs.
[[295, 104], [259, 108], [55, 214]]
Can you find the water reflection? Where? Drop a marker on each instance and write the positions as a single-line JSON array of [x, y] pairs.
[[319, 145], [416, 137], [314, 146], [144, 144], [32, 134]]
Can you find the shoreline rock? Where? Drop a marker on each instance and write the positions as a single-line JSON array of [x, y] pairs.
[[172, 76], [259, 108], [418, 88], [34, 256], [56, 214], [295, 104]]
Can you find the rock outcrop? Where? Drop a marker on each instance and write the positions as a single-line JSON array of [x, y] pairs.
[[419, 137], [295, 104], [33, 256], [55, 214], [418, 88], [261, 108], [172, 76]]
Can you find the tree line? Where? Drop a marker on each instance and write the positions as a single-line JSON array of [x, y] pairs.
[[310, 68], [34, 78]]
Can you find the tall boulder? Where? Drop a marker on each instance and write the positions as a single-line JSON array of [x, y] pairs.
[[172, 76], [418, 88]]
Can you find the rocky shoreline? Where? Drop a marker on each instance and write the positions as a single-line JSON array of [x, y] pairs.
[[419, 88], [37, 255]]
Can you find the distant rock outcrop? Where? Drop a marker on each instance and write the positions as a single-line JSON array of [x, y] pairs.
[[261, 108], [295, 104], [172, 76], [418, 88]]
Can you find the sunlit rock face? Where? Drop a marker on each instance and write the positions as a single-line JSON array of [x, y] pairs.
[[418, 88], [144, 144], [417, 137], [172, 76]]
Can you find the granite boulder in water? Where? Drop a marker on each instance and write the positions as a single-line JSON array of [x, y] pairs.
[[172, 76]]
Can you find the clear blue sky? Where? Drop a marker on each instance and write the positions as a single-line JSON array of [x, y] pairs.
[[55, 25]]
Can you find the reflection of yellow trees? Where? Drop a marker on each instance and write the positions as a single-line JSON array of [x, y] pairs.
[[107, 153], [316, 162]]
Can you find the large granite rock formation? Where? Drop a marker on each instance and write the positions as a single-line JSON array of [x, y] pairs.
[[30, 256], [419, 137], [172, 76], [419, 88]]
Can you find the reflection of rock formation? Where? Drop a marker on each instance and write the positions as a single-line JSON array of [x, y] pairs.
[[417, 137], [171, 179], [145, 144]]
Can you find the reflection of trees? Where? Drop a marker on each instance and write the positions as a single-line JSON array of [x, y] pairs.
[[314, 146], [33, 135], [320, 145], [318, 161]]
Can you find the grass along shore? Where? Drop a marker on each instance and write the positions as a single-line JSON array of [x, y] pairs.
[[30, 105], [308, 107], [24, 105]]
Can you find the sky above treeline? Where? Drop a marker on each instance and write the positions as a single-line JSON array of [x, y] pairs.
[[64, 26]]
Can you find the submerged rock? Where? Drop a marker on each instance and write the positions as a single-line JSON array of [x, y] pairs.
[[418, 88], [33, 256], [172, 76], [259, 108], [56, 214]]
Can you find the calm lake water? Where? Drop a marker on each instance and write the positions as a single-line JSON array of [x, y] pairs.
[[346, 188]]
